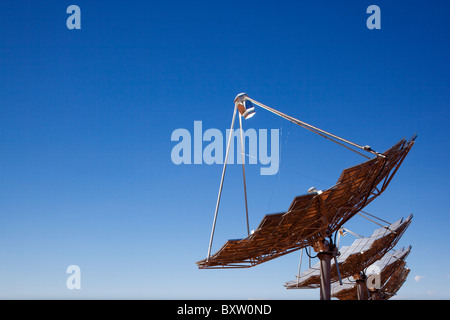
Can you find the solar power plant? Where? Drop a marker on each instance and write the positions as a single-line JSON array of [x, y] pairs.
[[312, 217], [388, 267], [356, 257]]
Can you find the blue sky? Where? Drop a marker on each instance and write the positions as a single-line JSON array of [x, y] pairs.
[[86, 118]]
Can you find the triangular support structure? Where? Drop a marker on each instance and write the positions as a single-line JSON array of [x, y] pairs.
[[223, 177]]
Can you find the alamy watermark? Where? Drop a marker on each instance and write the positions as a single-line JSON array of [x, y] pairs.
[[74, 280], [74, 20], [374, 20], [373, 274], [209, 147]]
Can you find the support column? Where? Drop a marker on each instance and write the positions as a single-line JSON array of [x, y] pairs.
[[326, 251], [374, 294], [325, 274], [361, 287]]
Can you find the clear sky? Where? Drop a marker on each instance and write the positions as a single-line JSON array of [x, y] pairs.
[[86, 118]]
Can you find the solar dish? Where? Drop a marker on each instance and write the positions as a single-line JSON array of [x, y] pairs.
[[312, 217], [356, 257], [394, 284], [388, 267]]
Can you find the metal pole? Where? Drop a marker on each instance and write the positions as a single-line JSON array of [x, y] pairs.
[[325, 274], [321, 132], [243, 172], [337, 269], [221, 186], [299, 266], [361, 288], [379, 224]]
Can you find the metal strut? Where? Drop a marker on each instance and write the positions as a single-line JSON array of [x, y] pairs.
[[243, 172], [299, 266], [221, 186], [323, 133], [379, 224]]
